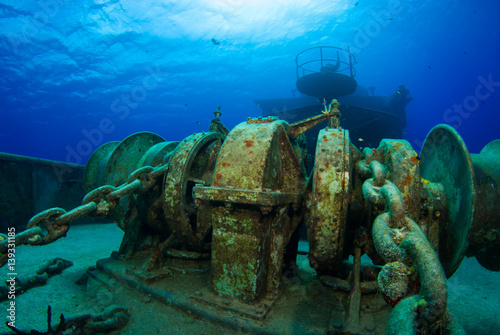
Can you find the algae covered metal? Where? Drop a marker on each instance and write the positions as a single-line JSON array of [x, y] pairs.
[[255, 200], [212, 224]]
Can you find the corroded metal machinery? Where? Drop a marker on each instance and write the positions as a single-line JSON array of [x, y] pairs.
[[212, 225]]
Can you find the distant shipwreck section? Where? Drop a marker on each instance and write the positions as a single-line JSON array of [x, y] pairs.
[[325, 73]]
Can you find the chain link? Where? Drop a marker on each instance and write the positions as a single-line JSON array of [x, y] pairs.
[[97, 202], [29, 236], [99, 196], [412, 280]]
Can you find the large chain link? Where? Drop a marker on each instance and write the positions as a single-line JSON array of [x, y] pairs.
[[412, 281], [96, 203]]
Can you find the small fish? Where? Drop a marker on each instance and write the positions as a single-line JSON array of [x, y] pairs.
[[357, 3], [215, 42], [361, 139], [257, 105], [465, 52], [390, 19], [406, 131], [430, 67], [197, 122]]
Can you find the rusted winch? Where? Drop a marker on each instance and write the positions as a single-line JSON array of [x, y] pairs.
[[232, 207]]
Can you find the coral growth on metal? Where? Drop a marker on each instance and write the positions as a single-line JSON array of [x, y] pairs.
[[230, 210]]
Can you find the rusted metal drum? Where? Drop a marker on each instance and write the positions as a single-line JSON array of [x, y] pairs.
[[330, 199], [255, 200], [192, 163], [402, 169]]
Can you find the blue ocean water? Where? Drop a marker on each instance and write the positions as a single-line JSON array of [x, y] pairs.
[[78, 74]]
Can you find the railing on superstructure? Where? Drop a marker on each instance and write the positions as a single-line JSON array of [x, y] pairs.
[[314, 59]]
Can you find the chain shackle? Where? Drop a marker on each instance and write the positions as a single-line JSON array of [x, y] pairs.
[[378, 173], [379, 191], [97, 202], [99, 196], [386, 239], [49, 219], [372, 186], [372, 193], [395, 204], [30, 236], [432, 298], [158, 171], [77, 213], [409, 254], [412, 280], [125, 189], [363, 166], [143, 175]]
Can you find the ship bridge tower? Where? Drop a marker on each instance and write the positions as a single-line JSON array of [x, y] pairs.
[[326, 72]]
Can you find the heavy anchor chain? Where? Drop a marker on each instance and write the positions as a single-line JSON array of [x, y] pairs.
[[96, 203], [412, 280]]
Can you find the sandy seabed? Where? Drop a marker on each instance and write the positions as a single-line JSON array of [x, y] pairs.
[[473, 292]]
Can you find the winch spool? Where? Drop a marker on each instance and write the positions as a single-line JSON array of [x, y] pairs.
[[192, 163], [470, 187], [93, 176], [112, 164]]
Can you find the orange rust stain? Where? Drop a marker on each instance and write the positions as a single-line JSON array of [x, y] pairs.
[[404, 183], [325, 139], [409, 178], [326, 165], [250, 152], [413, 160], [248, 143], [226, 164], [218, 176]]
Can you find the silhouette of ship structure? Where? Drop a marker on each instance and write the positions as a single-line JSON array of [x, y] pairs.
[[328, 72]]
